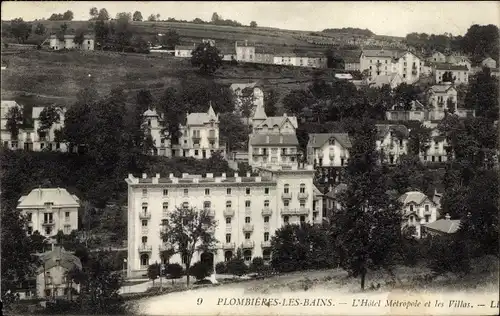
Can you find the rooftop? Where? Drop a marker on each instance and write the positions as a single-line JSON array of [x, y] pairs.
[[448, 226], [58, 196], [184, 47], [318, 140], [413, 197], [442, 66], [274, 139], [59, 257], [201, 118], [441, 88], [383, 129]]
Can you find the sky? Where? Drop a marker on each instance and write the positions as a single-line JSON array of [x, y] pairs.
[[395, 18]]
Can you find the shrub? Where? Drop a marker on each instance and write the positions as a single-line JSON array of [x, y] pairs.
[[221, 268], [153, 271], [237, 267], [257, 265], [200, 270], [174, 270]]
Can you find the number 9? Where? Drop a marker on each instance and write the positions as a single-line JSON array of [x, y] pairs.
[[199, 301]]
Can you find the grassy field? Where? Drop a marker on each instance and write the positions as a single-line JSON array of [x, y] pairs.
[[56, 77]]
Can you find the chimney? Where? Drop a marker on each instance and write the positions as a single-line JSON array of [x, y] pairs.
[[447, 216]]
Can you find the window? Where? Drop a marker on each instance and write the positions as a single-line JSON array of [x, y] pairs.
[[186, 192], [165, 192], [266, 236], [196, 152], [47, 292], [144, 207], [48, 230], [302, 203], [228, 237], [207, 191], [411, 208], [144, 192], [29, 229], [228, 191], [286, 219], [144, 223], [144, 239], [247, 191], [29, 216], [66, 215], [165, 207], [247, 203], [427, 208], [247, 219], [206, 204], [302, 219], [67, 229], [247, 236], [266, 255], [185, 205], [266, 219], [283, 151], [286, 203], [228, 220], [266, 190], [266, 203], [302, 188], [427, 218], [228, 204], [247, 254], [47, 218], [144, 260], [286, 189], [164, 222]]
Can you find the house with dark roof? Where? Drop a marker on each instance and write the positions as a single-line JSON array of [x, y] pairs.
[[459, 73], [443, 226], [52, 279], [328, 149], [351, 61], [436, 148], [273, 140], [418, 210], [489, 62], [392, 141], [386, 62]]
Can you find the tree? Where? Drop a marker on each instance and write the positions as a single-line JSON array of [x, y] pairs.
[[68, 15], [232, 132], [271, 98], [190, 230], [482, 95], [137, 16], [14, 121], [39, 242], [257, 265], [419, 139], [103, 15], [152, 18], [334, 60], [157, 16], [296, 101], [40, 29], [215, 17], [368, 226], [94, 13], [207, 58], [153, 272], [404, 94], [170, 39], [236, 266], [200, 270], [448, 77], [220, 268], [56, 17], [481, 41], [253, 24], [169, 106], [62, 31], [101, 30], [122, 33], [174, 270], [20, 30], [124, 16]]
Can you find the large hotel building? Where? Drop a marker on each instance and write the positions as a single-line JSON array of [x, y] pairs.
[[248, 210]]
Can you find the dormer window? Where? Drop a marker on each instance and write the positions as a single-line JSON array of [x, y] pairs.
[[332, 141]]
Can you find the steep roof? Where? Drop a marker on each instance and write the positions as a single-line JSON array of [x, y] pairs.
[[316, 191], [271, 121], [201, 118], [448, 226], [260, 113], [442, 66], [274, 139], [413, 197], [381, 80], [59, 257], [58, 196], [184, 47], [383, 129], [150, 112], [383, 53], [318, 140]]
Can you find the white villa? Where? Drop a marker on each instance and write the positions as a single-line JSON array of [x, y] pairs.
[[387, 62], [49, 210], [392, 141], [418, 210], [273, 140], [328, 149]]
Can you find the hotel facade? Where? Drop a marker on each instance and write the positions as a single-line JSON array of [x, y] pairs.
[[248, 210]]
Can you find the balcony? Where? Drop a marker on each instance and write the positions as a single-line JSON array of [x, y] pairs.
[[248, 244], [303, 196], [248, 228], [228, 212], [145, 215], [165, 246], [318, 220], [228, 245], [295, 211], [265, 244], [145, 248], [196, 139], [266, 211], [49, 222], [286, 196]]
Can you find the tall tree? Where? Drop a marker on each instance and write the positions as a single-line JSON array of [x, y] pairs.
[[215, 17], [103, 15], [369, 221], [79, 37], [40, 29], [14, 121], [137, 16], [207, 58], [481, 41], [68, 15], [20, 29], [253, 24], [232, 132], [101, 30], [152, 18], [170, 107], [189, 231], [124, 16], [48, 117], [482, 95], [419, 139], [94, 13], [271, 98], [170, 39]]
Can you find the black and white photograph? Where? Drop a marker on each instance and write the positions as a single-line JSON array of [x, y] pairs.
[[249, 158]]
